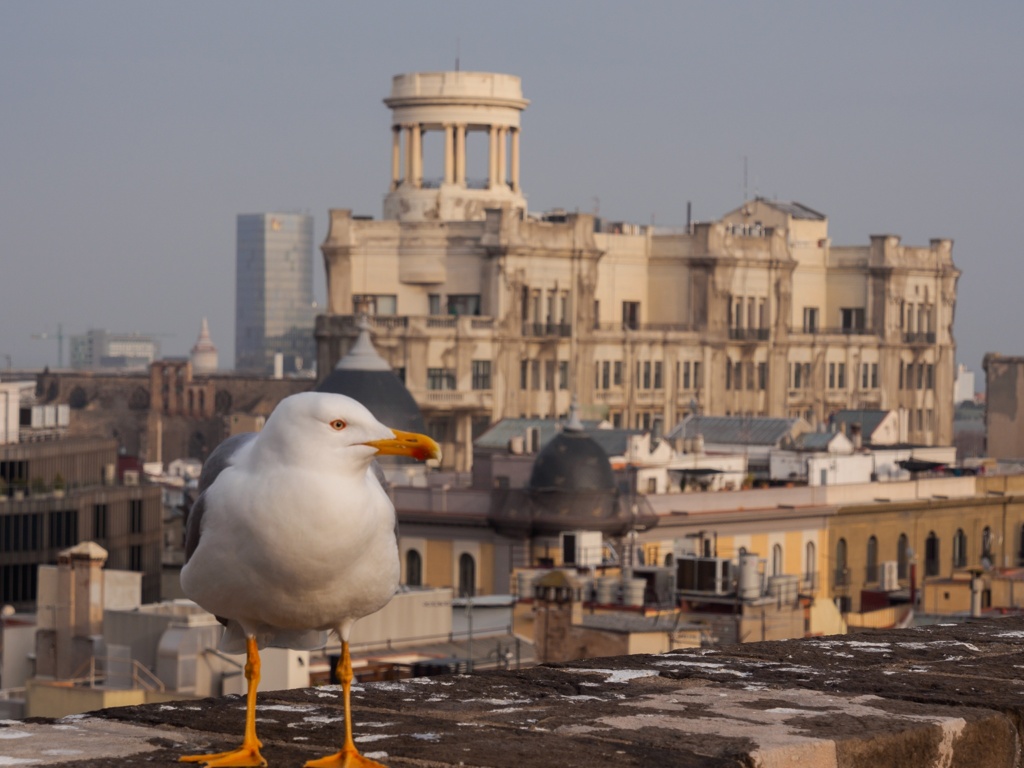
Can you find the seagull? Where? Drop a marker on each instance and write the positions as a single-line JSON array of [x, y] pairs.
[[293, 536]]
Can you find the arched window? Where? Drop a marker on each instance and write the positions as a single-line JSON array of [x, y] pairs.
[[413, 568], [931, 555], [903, 556], [871, 574], [777, 560], [986, 545], [810, 563], [467, 575], [841, 575], [960, 549], [669, 560]]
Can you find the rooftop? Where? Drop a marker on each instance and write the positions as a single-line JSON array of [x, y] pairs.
[[949, 694]]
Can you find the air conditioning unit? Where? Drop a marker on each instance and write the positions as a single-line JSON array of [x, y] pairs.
[[890, 580], [712, 575]]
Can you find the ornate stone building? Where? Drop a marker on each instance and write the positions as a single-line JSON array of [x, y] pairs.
[[488, 311]]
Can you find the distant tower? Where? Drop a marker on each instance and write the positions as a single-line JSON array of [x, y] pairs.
[[457, 104], [274, 292], [204, 353]]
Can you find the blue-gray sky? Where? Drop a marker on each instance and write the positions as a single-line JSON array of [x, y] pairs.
[[131, 134]]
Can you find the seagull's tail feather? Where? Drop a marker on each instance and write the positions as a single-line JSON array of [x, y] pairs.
[[233, 639]]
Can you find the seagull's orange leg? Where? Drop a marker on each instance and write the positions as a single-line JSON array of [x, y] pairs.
[[248, 755], [349, 756]]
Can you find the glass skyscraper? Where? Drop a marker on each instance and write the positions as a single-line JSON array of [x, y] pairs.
[[274, 311]]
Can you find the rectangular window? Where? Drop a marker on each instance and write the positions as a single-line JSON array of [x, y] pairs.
[[929, 377], [647, 374], [842, 376], [617, 373], [440, 378], [135, 558], [852, 319], [920, 375], [597, 313], [135, 516], [434, 303], [807, 375], [464, 304], [563, 374], [686, 375], [750, 376], [375, 304], [810, 319], [606, 374], [549, 375], [696, 376], [874, 375], [795, 376], [524, 368], [481, 374], [737, 375], [728, 375], [762, 376], [864, 368], [657, 375], [631, 315], [831, 375], [535, 375], [901, 374], [99, 521]]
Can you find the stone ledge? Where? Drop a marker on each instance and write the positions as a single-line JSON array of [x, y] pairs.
[[948, 695]]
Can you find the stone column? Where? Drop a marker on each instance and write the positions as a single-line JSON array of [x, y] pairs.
[[514, 171], [409, 155], [396, 155], [460, 155], [492, 157], [417, 156], [502, 164], [449, 154]]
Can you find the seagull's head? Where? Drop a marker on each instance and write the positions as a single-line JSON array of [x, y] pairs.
[[315, 427]]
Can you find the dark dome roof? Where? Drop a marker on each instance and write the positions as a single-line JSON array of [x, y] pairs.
[[572, 462], [364, 375]]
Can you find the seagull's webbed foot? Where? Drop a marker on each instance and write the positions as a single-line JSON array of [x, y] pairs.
[[346, 758], [349, 756], [246, 756]]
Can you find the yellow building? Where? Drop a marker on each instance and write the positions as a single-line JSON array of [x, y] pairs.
[[489, 311]]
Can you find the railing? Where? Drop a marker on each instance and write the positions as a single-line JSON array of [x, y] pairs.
[[93, 674], [843, 331], [645, 327], [919, 337], [842, 577], [561, 330], [748, 334], [442, 321]]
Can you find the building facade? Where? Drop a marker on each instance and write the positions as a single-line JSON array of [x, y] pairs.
[[491, 312], [274, 292], [100, 349]]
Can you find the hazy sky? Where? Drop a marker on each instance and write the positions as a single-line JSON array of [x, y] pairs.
[[132, 133]]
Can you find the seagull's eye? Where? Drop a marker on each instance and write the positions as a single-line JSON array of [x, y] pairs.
[[338, 425]]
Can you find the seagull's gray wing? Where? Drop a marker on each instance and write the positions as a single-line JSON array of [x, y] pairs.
[[215, 463]]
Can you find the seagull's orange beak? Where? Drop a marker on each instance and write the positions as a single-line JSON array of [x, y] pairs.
[[420, 447]]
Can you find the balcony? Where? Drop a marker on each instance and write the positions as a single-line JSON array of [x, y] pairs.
[[655, 327], [919, 337], [550, 330], [748, 334], [454, 399]]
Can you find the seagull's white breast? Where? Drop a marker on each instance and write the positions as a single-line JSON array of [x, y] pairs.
[[293, 548]]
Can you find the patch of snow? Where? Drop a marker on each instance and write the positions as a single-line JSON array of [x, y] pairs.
[[376, 755], [366, 739], [426, 736], [616, 675], [12, 734], [16, 761]]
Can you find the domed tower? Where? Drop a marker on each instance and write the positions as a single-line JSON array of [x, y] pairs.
[[364, 375], [204, 353], [458, 105]]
